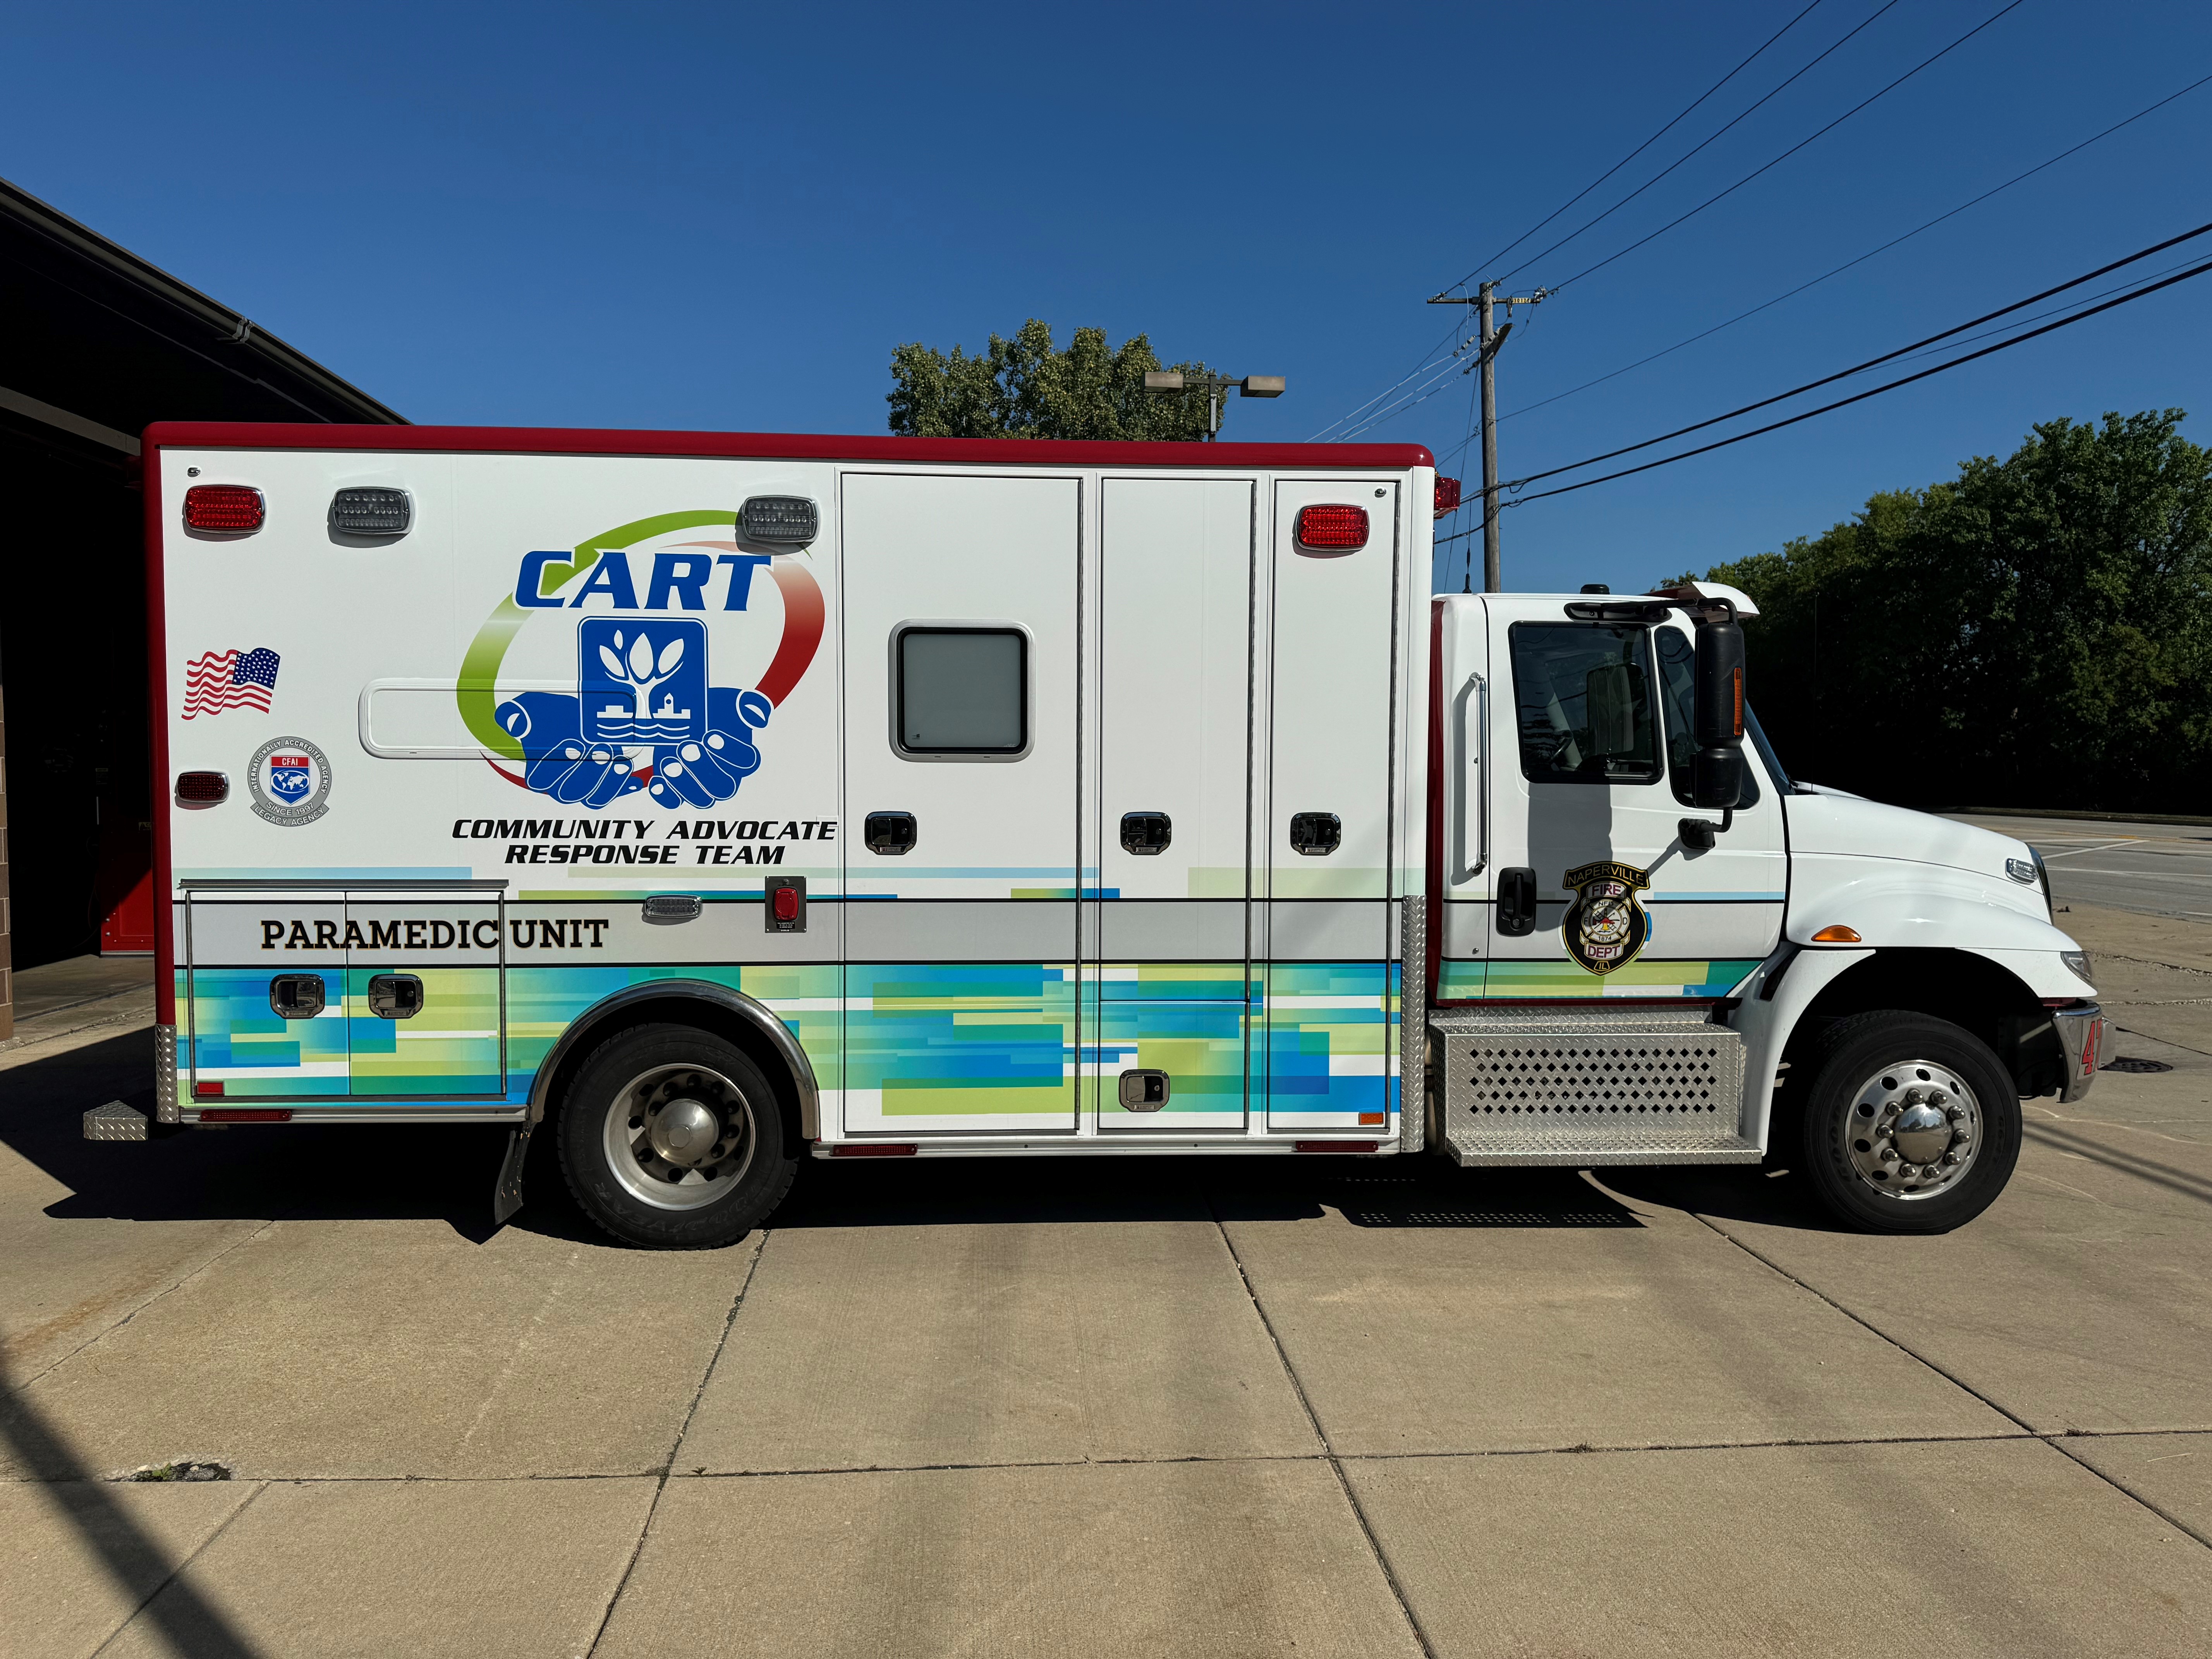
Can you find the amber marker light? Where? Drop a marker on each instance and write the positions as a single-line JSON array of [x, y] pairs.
[[1836, 934]]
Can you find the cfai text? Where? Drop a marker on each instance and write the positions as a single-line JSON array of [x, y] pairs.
[[551, 934], [621, 841]]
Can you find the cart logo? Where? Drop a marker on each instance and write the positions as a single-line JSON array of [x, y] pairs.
[[1605, 926], [290, 779], [644, 716]]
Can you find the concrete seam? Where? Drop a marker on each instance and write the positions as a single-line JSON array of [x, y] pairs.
[[1320, 1435], [2055, 1441], [178, 1571], [652, 1506], [167, 1290]]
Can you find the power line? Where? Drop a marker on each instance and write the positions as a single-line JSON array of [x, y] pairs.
[[1838, 271], [2011, 5], [1654, 139], [1871, 363], [1861, 397], [1679, 161]]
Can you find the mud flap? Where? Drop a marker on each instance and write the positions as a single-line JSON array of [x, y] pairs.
[[506, 1196]]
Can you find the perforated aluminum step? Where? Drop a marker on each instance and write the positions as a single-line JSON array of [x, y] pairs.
[[1567, 1086]]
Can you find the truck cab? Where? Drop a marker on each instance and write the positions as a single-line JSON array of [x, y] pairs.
[[1645, 951]]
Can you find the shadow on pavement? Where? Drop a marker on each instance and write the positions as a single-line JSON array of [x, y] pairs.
[[1726, 1194], [299, 1172], [1424, 1193], [427, 1171], [149, 1580], [2143, 1169]]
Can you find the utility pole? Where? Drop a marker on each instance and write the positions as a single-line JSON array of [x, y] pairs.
[[1491, 338], [1493, 560]]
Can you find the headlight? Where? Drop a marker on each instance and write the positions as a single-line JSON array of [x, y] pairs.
[[2077, 963]]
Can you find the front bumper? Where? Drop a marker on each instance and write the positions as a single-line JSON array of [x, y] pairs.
[[2082, 1031]]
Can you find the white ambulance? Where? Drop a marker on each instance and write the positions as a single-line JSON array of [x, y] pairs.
[[709, 801]]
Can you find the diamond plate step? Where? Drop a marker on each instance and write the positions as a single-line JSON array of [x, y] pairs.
[[1589, 1087], [1591, 1149], [115, 1121]]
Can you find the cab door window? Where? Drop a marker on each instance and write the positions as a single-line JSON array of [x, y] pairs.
[[1583, 703]]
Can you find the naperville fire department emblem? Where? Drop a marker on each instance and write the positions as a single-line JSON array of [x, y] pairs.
[[1605, 926]]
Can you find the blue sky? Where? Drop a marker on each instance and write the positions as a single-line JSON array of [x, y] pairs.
[[727, 216]]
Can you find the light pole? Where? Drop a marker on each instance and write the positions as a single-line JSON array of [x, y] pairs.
[[1168, 382]]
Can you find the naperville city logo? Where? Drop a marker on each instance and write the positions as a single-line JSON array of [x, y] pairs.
[[646, 714]]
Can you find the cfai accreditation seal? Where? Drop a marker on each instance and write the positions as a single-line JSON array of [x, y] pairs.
[[290, 779], [1605, 926]]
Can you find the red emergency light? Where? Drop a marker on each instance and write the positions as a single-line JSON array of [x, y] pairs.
[[1333, 528], [1447, 495], [225, 508], [247, 1115]]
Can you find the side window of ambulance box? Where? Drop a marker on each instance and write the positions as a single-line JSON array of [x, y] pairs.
[[1582, 695], [1679, 701], [960, 692]]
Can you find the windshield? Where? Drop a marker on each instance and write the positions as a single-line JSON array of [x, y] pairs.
[[1766, 752]]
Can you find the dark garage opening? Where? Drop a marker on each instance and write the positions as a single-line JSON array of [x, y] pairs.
[[99, 345]]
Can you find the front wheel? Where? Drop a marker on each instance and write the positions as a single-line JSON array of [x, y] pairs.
[[1911, 1125], [672, 1137]]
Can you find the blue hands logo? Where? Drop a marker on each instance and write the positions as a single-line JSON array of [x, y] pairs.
[[640, 683]]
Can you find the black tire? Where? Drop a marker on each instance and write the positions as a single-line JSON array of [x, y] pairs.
[[1866, 1060], [715, 1198]]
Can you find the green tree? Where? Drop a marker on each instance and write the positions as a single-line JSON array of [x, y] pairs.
[[2037, 631], [1023, 388]]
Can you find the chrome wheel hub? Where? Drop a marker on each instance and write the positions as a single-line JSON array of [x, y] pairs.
[[1913, 1129], [679, 1136]]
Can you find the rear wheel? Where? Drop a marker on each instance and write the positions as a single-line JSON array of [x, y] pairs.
[[1911, 1125], [670, 1137]]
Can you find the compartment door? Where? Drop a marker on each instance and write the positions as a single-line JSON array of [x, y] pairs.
[[423, 1001], [961, 665], [1325, 916], [1173, 742], [265, 1004]]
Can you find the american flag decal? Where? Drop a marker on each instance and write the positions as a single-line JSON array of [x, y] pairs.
[[229, 679]]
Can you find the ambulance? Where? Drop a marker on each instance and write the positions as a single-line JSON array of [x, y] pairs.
[[706, 802]]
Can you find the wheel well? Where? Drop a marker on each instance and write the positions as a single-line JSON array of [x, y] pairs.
[[679, 1010], [1969, 991]]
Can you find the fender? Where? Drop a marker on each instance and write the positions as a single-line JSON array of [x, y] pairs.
[[747, 1008], [1895, 904], [1766, 1021]]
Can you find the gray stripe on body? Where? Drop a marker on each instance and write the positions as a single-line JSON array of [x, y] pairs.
[[961, 930], [1324, 930], [1170, 930]]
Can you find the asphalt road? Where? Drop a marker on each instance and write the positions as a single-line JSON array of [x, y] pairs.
[[2153, 869]]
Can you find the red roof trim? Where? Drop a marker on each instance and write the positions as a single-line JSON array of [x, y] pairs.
[[784, 445]]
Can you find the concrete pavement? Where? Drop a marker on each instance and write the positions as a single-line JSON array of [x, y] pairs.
[[1155, 1406]]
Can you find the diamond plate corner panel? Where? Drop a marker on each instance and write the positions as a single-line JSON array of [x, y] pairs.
[[1413, 1026]]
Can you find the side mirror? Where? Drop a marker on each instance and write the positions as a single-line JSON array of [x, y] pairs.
[[1717, 772]]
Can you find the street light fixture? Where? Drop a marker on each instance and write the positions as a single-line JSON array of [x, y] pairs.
[[1168, 382]]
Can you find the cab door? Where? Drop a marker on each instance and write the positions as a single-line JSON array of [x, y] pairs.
[[1593, 891], [962, 661], [425, 1009], [1164, 1039]]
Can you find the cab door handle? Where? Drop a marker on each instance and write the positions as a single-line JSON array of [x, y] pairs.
[[1516, 901]]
